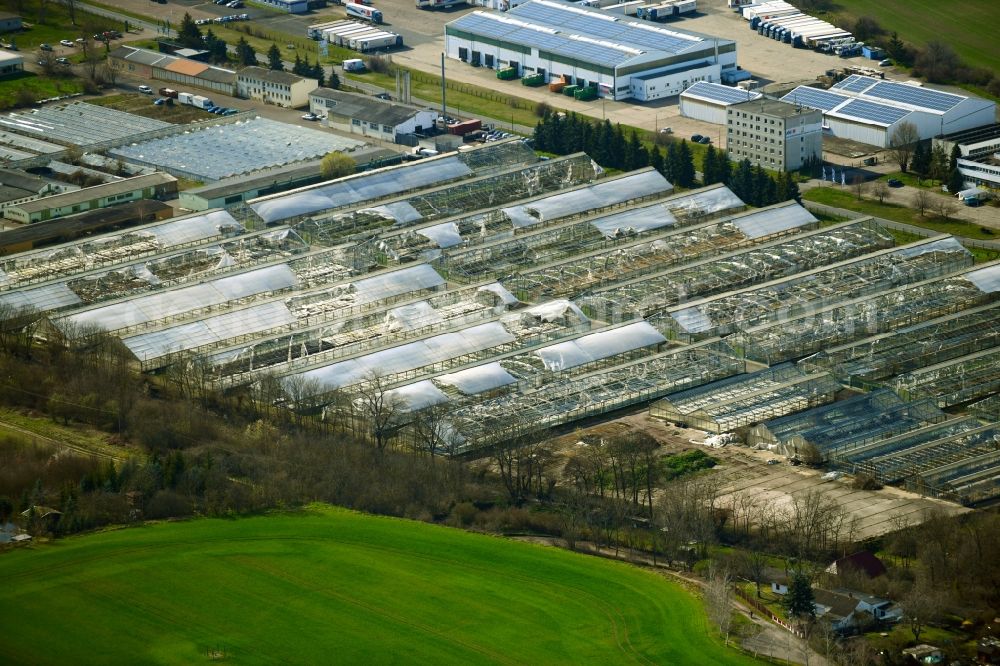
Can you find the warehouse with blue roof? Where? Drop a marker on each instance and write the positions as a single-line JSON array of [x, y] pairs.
[[620, 56], [868, 110]]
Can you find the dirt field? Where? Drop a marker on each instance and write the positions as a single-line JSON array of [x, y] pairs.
[[746, 470], [142, 105]]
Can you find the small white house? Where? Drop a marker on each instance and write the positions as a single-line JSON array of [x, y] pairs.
[[274, 87], [369, 116], [10, 63]]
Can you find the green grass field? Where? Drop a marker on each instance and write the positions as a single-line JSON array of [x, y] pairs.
[[970, 27], [328, 585]]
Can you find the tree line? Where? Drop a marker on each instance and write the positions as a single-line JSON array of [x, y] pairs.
[[609, 146]]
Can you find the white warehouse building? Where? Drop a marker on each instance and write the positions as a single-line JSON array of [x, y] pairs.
[[869, 110], [621, 56], [708, 101]]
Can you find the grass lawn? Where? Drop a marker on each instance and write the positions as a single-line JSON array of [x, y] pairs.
[[39, 87], [78, 437], [142, 105], [895, 212], [969, 28], [327, 584]]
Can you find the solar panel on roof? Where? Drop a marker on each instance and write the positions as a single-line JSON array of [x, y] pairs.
[[814, 98], [718, 93], [870, 111], [855, 83], [928, 99]]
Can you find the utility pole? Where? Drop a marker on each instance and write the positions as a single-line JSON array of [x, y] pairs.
[[444, 107]]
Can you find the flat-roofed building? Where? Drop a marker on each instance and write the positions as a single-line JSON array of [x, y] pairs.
[[151, 186], [10, 63], [774, 134]]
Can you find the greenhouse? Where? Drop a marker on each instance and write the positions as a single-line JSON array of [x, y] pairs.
[[955, 381], [641, 297], [437, 353], [512, 254], [987, 409], [120, 247], [566, 399], [162, 271], [969, 479], [455, 199], [795, 337], [903, 457], [391, 181], [743, 400], [338, 337], [636, 258], [869, 361], [836, 430], [725, 314]]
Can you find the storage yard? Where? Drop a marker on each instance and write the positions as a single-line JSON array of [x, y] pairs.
[[522, 293]]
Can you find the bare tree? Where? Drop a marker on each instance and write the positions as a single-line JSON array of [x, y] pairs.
[[754, 568], [858, 184], [71, 8], [47, 61], [945, 207], [922, 201], [92, 59], [719, 601], [380, 408], [921, 605], [880, 190], [111, 70], [430, 430], [902, 142]]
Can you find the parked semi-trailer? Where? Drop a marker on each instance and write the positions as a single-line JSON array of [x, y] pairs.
[[364, 13], [438, 4], [385, 40], [315, 31]]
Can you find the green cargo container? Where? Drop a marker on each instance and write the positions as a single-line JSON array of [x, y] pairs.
[[533, 80], [585, 94], [507, 74], [569, 91]]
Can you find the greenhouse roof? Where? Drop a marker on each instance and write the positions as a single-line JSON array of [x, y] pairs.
[[166, 304], [477, 379], [600, 345]]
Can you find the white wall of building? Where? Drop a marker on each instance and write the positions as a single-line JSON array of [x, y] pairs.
[[702, 110], [873, 135], [671, 83]]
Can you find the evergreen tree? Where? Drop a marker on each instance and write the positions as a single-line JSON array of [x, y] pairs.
[[956, 182], [787, 188], [799, 601], [759, 187], [920, 163], [656, 159], [630, 159], [333, 81], [709, 168], [245, 55], [540, 135], [319, 73], [617, 148], [188, 33], [741, 182], [896, 49], [685, 162], [671, 165], [723, 167], [299, 65], [939, 164], [956, 152], [274, 59]]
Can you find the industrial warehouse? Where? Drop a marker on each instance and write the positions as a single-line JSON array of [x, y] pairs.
[[571, 294], [869, 110], [619, 57]]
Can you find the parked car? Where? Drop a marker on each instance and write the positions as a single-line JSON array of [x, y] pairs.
[[45, 47], [145, 90], [705, 140], [871, 161], [230, 112], [159, 101], [66, 42], [80, 40], [773, 461], [895, 182], [62, 61], [310, 116], [885, 63], [696, 138], [666, 130]]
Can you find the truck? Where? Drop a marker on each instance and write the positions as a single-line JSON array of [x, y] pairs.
[[353, 65], [384, 40], [438, 4], [359, 11], [315, 31], [168, 92], [185, 98], [201, 102], [465, 127]]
